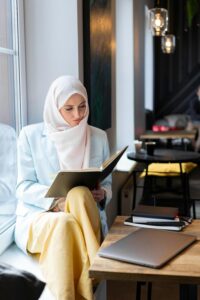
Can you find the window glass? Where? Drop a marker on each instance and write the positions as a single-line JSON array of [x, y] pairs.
[[6, 24], [7, 103]]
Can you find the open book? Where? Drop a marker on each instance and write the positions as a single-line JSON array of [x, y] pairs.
[[65, 180]]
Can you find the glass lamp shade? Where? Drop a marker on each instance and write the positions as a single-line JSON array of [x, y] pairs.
[[158, 21], [168, 43]]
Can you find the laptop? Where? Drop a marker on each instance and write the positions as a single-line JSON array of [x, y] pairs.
[[148, 247]]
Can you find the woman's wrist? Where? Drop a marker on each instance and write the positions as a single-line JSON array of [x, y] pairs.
[[57, 205], [54, 205]]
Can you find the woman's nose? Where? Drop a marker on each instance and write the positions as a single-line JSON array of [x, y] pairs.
[[77, 113]]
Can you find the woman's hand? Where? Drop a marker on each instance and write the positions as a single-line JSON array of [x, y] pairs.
[[58, 204], [99, 194]]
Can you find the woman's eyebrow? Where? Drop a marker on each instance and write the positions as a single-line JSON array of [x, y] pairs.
[[71, 105], [84, 101]]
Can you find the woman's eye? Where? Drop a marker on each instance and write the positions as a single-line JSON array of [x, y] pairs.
[[82, 106], [68, 108]]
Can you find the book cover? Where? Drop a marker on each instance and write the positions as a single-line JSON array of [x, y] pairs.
[[65, 180], [147, 213]]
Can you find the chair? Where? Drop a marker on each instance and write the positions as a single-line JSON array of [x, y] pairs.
[[169, 171]]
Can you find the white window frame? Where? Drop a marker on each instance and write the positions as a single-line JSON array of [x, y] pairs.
[[149, 61], [18, 53]]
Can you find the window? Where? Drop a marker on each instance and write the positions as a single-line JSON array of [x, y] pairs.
[[148, 63], [11, 66], [11, 110]]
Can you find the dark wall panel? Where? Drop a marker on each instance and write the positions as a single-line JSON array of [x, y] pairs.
[[177, 75], [97, 33]]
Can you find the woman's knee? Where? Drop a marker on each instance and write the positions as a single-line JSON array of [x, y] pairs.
[[80, 194], [61, 221], [79, 190]]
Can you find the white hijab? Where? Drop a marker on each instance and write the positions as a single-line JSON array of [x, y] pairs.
[[72, 143]]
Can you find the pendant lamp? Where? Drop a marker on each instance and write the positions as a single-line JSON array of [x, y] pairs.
[[158, 21], [168, 43]]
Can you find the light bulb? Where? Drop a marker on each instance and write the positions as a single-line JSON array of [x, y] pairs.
[[168, 43], [158, 20]]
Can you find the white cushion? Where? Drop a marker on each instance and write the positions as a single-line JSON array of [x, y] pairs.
[[15, 257], [7, 227]]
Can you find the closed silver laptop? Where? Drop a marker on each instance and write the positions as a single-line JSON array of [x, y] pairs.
[[148, 247]]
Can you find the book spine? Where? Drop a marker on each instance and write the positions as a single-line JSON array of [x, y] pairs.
[[173, 228], [152, 219]]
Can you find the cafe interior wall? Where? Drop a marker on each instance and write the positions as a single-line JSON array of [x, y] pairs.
[[54, 46], [51, 46], [177, 75]]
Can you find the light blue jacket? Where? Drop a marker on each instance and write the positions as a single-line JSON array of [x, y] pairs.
[[37, 165]]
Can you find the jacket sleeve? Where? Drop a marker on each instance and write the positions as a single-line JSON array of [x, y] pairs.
[[29, 190]]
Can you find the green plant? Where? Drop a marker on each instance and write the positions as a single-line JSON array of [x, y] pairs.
[[192, 7]]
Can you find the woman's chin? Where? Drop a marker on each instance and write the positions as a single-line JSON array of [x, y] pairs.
[[75, 123]]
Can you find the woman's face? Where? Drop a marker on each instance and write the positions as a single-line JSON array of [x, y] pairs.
[[74, 109]]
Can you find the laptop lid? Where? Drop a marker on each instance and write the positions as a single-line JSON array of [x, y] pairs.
[[148, 247]]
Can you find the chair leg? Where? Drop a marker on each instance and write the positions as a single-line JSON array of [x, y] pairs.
[[184, 190], [147, 190], [138, 289], [134, 189], [149, 290], [187, 184], [194, 208]]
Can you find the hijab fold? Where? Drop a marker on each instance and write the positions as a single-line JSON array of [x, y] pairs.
[[72, 143]]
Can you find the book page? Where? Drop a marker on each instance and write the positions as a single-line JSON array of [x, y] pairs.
[[67, 179], [92, 169], [112, 158]]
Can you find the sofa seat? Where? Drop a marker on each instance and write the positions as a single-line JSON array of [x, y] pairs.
[[16, 258], [7, 227]]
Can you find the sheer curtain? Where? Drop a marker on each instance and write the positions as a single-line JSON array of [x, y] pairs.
[[11, 63]]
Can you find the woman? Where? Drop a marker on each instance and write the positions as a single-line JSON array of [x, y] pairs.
[[63, 233]]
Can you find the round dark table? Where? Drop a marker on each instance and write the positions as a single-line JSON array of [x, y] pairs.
[[165, 156]]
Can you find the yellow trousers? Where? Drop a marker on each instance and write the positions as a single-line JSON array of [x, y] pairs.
[[65, 244]]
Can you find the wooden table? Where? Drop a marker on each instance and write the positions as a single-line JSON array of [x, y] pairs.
[[121, 277], [170, 135]]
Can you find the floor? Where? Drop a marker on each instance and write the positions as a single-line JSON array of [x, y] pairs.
[[165, 292]]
